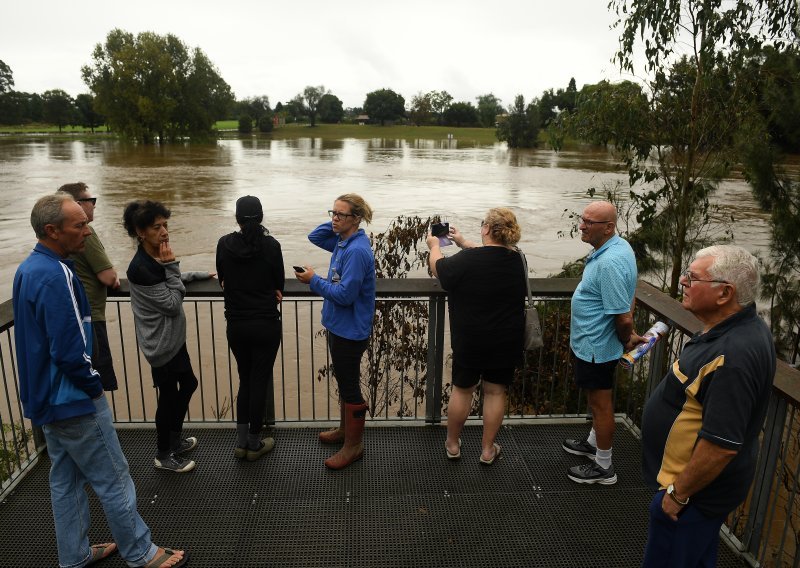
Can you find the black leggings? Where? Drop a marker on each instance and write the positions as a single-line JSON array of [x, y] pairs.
[[176, 383], [254, 344], [346, 359]]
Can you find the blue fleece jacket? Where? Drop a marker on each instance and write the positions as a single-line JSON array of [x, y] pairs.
[[53, 336], [349, 291]]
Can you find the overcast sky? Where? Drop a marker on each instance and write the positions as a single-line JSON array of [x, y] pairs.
[[352, 47]]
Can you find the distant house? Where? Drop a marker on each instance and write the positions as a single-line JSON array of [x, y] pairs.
[[361, 119], [278, 121]]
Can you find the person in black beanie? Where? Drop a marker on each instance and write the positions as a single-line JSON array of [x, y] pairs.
[[250, 271]]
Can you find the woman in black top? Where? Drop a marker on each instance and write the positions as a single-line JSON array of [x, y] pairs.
[[250, 271], [486, 298]]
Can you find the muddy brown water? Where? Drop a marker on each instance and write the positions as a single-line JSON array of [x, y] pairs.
[[297, 181]]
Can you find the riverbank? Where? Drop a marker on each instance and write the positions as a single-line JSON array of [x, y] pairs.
[[225, 128]]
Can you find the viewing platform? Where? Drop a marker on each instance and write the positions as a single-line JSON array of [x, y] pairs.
[[405, 504]]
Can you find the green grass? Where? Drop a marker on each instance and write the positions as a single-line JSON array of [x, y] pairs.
[[465, 136], [39, 128], [477, 136]]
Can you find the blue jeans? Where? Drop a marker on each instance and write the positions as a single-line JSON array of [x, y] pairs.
[[690, 542], [85, 449]]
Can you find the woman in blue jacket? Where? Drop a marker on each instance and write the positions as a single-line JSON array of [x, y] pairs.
[[347, 313]]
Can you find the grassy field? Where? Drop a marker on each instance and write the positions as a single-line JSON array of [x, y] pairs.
[[37, 128], [465, 136], [479, 136]]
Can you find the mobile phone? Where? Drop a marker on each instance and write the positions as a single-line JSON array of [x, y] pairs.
[[440, 229], [299, 269]]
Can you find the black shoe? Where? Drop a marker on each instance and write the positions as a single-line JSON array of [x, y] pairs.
[[579, 448], [174, 463], [184, 445], [591, 472]]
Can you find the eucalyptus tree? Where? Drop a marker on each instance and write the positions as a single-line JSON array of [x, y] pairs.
[[88, 116], [58, 108], [153, 87], [520, 128], [421, 111], [774, 133], [312, 96], [6, 78], [694, 54], [489, 107]]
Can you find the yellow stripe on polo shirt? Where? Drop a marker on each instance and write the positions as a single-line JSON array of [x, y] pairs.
[[683, 434]]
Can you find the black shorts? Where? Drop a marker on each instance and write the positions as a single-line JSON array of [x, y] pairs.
[[593, 376], [467, 377]]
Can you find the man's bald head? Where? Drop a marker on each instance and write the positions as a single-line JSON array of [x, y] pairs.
[[598, 223]]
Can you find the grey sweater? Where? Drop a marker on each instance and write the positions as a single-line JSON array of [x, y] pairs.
[[158, 314]]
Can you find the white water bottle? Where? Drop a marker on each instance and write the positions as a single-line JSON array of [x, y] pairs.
[[652, 335]]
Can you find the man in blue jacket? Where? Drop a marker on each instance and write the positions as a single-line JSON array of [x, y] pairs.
[[61, 392]]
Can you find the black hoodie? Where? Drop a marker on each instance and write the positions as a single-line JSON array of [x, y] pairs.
[[250, 275]]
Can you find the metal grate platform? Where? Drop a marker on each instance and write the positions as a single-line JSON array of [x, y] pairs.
[[404, 505]]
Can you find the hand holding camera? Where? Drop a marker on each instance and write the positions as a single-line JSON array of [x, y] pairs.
[[442, 231]]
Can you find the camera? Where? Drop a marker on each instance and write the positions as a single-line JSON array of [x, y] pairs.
[[440, 229]]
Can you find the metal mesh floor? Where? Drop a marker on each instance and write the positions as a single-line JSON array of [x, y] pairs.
[[403, 505]]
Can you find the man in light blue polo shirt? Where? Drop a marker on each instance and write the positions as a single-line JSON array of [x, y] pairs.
[[601, 329]]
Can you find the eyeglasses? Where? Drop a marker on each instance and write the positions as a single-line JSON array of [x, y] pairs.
[[589, 223], [92, 200], [338, 215], [687, 275], [483, 223]]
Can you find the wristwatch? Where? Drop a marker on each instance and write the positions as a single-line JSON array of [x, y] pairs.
[[674, 497]]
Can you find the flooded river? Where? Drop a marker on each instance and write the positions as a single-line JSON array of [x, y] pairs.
[[297, 180]]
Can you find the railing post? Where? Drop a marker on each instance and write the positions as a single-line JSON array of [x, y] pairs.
[[658, 367], [270, 406], [435, 365], [765, 473]]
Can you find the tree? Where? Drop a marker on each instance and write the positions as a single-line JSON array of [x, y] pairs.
[[59, 108], [296, 109], [152, 87], [421, 112], [440, 102], [88, 117], [676, 158], [489, 108], [331, 109], [245, 124], [610, 112], [312, 97], [773, 132], [265, 124], [520, 129], [384, 104], [548, 103], [461, 114], [255, 107], [6, 78]]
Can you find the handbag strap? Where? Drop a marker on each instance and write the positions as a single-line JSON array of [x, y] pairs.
[[527, 280]]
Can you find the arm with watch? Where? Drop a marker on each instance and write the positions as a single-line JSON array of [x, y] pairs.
[[707, 462]]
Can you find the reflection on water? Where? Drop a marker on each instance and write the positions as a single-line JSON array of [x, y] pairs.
[[298, 180]]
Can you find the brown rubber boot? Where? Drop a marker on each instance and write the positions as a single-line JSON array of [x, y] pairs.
[[355, 416], [335, 435]]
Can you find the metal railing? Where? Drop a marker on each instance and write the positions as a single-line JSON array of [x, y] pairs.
[[406, 378]]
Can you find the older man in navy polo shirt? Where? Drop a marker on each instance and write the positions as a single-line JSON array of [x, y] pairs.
[[601, 329], [701, 425]]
